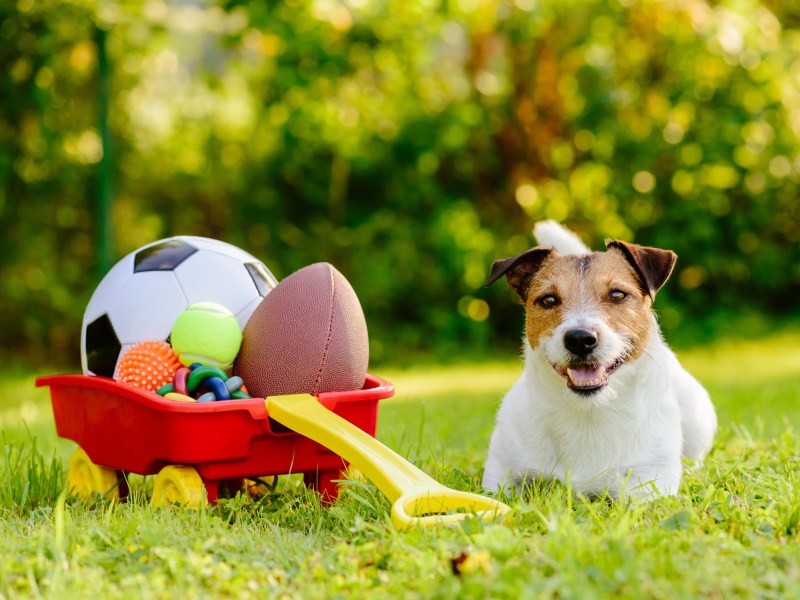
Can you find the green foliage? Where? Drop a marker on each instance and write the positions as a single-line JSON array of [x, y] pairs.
[[409, 144]]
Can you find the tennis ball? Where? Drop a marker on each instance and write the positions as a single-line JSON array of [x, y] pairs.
[[206, 333]]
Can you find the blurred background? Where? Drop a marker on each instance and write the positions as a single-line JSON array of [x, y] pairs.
[[408, 142]]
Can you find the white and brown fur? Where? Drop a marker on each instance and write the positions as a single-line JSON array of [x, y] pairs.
[[602, 402]]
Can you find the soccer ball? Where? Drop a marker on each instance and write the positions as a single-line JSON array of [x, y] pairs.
[[141, 296]]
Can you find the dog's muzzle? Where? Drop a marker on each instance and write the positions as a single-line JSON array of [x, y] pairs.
[[584, 375]]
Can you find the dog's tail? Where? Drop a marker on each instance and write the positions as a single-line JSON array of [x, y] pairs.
[[555, 235]]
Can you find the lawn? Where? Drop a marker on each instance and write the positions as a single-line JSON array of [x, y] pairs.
[[732, 531]]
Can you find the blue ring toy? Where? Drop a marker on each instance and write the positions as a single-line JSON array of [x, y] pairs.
[[218, 387]]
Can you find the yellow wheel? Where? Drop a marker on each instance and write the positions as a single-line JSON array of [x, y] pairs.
[[84, 478], [179, 484]]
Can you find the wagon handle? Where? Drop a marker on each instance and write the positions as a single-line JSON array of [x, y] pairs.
[[417, 499]]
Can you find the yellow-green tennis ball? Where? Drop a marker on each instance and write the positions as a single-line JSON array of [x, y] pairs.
[[206, 333]]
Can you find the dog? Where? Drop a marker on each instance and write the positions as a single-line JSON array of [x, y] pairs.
[[602, 404]]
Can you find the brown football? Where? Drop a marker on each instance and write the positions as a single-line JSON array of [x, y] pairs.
[[308, 335]]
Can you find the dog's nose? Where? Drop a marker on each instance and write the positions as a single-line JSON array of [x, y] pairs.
[[580, 341]]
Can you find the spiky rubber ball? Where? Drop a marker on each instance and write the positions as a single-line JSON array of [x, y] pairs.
[[148, 365]]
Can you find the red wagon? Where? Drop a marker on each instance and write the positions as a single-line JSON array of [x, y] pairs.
[[190, 447]]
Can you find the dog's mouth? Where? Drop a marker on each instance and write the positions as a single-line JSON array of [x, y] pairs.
[[587, 377]]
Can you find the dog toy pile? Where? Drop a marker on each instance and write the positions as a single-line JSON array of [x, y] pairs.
[[202, 321]]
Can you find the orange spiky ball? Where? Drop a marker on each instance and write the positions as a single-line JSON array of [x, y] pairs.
[[148, 365]]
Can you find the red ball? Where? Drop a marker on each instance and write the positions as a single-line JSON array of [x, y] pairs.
[[308, 335]]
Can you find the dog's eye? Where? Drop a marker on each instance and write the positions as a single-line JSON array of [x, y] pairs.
[[617, 296], [548, 301]]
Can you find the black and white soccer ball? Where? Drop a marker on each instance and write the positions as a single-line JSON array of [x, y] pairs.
[[141, 296]]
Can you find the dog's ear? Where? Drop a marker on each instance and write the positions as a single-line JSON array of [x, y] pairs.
[[519, 269], [652, 265]]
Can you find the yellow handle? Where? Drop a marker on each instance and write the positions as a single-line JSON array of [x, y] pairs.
[[416, 498]]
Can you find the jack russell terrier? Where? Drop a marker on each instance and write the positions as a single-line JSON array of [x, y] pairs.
[[602, 404]]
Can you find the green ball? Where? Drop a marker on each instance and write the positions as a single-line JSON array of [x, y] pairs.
[[206, 333]]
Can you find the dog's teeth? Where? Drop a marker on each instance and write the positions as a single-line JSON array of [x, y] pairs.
[[578, 382], [583, 383]]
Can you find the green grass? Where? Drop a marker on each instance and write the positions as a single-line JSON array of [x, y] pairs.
[[733, 531]]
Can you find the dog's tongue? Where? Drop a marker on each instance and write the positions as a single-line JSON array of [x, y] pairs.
[[584, 374]]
